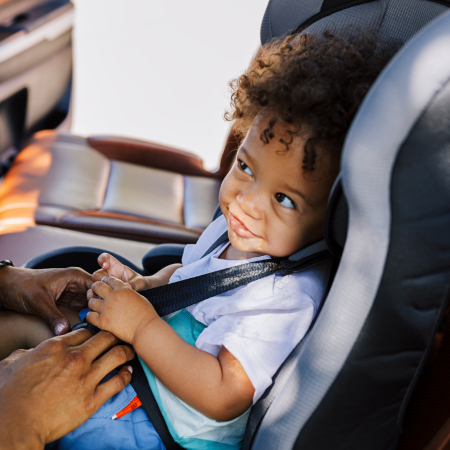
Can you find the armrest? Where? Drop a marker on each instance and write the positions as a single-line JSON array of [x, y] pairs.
[[150, 154]]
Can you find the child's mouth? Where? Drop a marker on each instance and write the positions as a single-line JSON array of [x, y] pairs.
[[239, 228]]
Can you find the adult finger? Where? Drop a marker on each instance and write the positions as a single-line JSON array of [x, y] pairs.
[[101, 289], [98, 344], [106, 390], [77, 279], [99, 274], [75, 338], [55, 319], [115, 357], [14, 356]]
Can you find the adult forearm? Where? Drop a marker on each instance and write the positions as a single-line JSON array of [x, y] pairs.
[[206, 383]]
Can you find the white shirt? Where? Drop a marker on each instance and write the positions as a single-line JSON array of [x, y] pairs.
[[259, 323]]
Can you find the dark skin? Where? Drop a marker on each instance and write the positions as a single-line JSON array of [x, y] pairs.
[[49, 391], [38, 292]]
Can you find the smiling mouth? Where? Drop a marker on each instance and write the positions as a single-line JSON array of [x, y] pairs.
[[239, 228]]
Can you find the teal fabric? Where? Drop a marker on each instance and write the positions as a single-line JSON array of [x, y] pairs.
[[188, 329]]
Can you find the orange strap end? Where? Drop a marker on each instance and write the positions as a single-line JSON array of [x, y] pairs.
[[135, 403]]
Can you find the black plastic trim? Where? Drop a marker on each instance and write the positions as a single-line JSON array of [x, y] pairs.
[[325, 13]]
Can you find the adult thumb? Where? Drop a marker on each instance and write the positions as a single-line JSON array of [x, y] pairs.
[[54, 318]]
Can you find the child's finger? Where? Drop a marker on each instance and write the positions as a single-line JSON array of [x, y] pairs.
[[99, 274], [138, 283], [95, 304], [89, 294], [113, 266], [103, 261], [114, 283], [93, 318], [101, 289]]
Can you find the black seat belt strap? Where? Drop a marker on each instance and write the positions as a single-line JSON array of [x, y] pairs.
[[175, 296], [145, 394]]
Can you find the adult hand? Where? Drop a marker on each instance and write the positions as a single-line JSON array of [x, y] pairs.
[[49, 391], [36, 291]]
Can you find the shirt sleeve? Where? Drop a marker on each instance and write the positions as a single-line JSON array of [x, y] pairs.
[[259, 339]]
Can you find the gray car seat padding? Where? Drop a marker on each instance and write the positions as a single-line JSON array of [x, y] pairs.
[[396, 20], [347, 387], [336, 220]]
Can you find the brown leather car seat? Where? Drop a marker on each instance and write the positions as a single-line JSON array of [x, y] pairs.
[[112, 186]]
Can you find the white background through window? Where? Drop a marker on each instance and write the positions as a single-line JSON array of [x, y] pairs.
[[158, 69]]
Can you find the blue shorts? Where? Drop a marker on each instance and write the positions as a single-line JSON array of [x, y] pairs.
[[132, 431]]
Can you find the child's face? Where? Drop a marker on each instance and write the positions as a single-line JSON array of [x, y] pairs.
[[270, 205]]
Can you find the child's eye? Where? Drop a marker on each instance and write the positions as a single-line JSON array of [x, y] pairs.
[[244, 167], [284, 200]]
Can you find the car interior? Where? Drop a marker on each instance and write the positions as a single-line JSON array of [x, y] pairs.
[[372, 372]]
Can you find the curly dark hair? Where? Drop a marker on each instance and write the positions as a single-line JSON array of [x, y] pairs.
[[309, 82]]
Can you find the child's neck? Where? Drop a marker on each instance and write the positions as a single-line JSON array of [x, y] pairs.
[[234, 254]]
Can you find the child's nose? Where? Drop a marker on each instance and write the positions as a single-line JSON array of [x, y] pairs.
[[250, 203]]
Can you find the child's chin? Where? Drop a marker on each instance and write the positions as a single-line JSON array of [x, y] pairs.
[[244, 244]]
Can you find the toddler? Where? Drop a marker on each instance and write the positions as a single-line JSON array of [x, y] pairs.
[[209, 363]]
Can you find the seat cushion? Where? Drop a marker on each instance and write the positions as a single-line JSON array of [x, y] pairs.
[[22, 243], [59, 180]]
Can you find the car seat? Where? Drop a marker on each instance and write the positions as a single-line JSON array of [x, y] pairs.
[[63, 190], [347, 385]]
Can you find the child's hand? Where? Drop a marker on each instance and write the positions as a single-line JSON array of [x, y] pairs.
[[113, 268], [119, 310]]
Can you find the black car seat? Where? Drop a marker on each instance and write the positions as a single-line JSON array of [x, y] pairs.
[[349, 382]]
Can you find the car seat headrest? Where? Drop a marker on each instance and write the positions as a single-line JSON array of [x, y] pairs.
[[396, 20], [336, 219], [375, 331], [306, 257]]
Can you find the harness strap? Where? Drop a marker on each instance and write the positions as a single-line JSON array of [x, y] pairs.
[[145, 394], [219, 241], [175, 296]]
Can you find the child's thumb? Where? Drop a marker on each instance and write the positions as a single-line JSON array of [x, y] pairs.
[[105, 260], [138, 283]]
